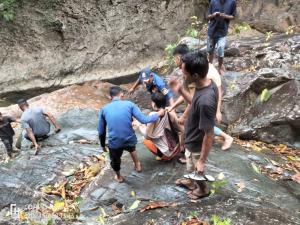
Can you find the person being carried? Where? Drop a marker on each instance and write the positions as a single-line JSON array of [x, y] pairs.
[[215, 77], [162, 137], [153, 83], [6, 134], [199, 127], [220, 12], [117, 116], [34, 122]]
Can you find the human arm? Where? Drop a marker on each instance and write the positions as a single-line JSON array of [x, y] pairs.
[[142, 118], [177, 86], [226, 17], [53, 121], [176, 104], [219, 114], [135, 85], [205, 148], [102, 129], [31, 136]]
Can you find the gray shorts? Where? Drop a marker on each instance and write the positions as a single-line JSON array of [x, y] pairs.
[[217, 44]]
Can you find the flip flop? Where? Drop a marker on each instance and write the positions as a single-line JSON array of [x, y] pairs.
[[195, 176]]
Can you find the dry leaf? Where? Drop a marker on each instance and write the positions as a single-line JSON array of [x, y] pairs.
[[296, 178], [241, 185], [155, 205]]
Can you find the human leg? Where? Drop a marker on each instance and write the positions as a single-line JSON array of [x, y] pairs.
[[221, 43], [135, 159], [210, 48], [227, 138], [7, 141], [115, 162]]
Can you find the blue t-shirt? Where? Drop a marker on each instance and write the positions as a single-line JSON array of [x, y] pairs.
[[160, 84], [117, 117], [218, 26]]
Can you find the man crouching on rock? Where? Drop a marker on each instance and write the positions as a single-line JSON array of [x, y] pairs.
[[199, 127], [118, 116], [34, 122]]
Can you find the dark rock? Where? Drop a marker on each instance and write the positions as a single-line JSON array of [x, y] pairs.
[[232, 52]]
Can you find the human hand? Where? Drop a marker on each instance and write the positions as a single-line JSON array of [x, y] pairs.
[[131, 91], [135, 124], [219, 117], [161, 112], [57, 129], [37, 148], [200, 166], [181, 120], [215, 14], [169, 108], [223, 15]]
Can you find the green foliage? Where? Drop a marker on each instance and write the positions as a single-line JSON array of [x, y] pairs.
[[238, 28], [216, 220], [269, 35], [265, 95], [216, 185], [169, 51], [7, 9], [193, 214], [290, 30], [192, 30]]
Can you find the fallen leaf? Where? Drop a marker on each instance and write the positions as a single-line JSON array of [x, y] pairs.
[[265, 95], [135, 205], [255, 168], [23, 216], [221, 176], [133, 193], [155, 205], [58, 206], [296, 178], [241, 185]]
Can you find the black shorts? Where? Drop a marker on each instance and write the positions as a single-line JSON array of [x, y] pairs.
[[8, 142], [116, 154]]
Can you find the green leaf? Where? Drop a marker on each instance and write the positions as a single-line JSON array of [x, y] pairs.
[[265, 95], [78, 199], [135, 205], [255, 168]]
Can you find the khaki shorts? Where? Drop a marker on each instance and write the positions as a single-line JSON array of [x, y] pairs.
[[191, 159]]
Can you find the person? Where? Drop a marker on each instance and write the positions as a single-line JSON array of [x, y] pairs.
[[153, 83], [163, 137], [220, 13], [6, 134], [34, 122], [199, 127], [118, 116], [215, 76]]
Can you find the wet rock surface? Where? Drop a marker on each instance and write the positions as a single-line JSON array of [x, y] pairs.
[[261, 201]]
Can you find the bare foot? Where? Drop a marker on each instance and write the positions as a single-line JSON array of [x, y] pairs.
[[227, 143], [138, 167], [221, 70], [187, 183], [120, 179]]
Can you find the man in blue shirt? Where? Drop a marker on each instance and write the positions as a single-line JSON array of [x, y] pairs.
[[220, 12], [153, 83], [117, 116]]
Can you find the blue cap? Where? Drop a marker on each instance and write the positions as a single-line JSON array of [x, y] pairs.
[[145, 73]]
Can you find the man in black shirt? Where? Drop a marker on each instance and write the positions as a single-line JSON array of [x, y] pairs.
[[199, 128], [7, 133], [220, 12]]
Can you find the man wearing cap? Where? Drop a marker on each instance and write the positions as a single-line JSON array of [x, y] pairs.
[[118, 116], [34, 122], [154, 83]]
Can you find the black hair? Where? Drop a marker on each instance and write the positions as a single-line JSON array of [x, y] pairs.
[[196, 63], [115, 91], [181, 49], [22, 102], [159, 99]]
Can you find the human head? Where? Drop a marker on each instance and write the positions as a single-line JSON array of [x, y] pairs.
[[116, 91], [23, 104], [195, 66], [146, 76], [178, 52], [158, 101]]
